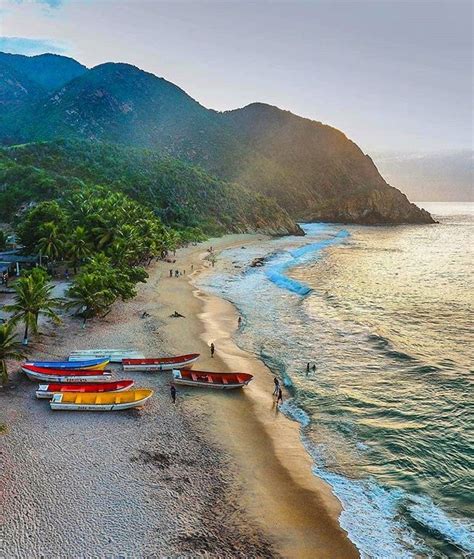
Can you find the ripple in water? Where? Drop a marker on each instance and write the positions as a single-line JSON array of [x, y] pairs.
[[385, 315]]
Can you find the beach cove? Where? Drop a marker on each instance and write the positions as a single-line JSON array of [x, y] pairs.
[[218, 475]]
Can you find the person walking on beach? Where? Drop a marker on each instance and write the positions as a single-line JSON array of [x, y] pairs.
[[173, 393], [276, 387], [213, 349], [279, 396]]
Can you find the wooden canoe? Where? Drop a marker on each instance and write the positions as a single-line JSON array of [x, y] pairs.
[[222, 381], [100, 401], [48, 390], [95, 364], [113, 355], [64, 375], [160, 363]]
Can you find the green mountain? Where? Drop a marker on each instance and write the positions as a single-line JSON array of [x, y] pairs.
[[310, 169], [181, 195], [48, 71]]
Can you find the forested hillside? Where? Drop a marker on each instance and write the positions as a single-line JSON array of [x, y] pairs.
[[179, 194], [312, 170]]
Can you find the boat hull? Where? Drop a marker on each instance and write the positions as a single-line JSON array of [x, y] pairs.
[[60, 402], [160, 364], [67, 378], [113, 355], [90, 364], [63, 375], [46, 391], [217, 381], [208, 384]]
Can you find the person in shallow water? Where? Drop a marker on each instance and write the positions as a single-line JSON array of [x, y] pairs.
[[276, 387], [213, 349], [280, 396], [307, 367]]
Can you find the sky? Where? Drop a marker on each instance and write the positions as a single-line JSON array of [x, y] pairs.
[[392, 75]]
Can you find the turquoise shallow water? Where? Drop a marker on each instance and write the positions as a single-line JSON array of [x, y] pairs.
[[385, 314]]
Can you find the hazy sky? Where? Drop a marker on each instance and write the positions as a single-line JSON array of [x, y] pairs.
[[393, 75]]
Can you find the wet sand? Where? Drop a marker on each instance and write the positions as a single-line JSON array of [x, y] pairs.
[[221, 474]]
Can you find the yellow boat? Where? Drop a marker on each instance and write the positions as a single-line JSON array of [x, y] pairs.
[[100, 401]]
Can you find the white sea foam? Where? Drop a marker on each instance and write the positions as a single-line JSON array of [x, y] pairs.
[[290, 409], [458, 532], [381, 521]]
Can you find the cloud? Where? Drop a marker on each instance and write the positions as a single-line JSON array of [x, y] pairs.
[[22, 45], [50, 3]]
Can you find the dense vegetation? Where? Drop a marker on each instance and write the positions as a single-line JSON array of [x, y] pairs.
[[105, 235], [182, 196], [310, 169]]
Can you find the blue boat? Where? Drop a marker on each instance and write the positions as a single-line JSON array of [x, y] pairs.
[[95, 364]]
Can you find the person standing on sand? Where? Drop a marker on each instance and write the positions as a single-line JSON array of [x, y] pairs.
[[171, 273], [173, 393], [276, 388], [213, 349], [280, 396]]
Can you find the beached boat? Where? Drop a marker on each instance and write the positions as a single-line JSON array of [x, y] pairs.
[[100, 401], [222, 381], [64, 375], [113, 355], [48, 390], [96, 364], [160, 363]]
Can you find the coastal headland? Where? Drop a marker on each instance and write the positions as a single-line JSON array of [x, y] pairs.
[[216, 475]]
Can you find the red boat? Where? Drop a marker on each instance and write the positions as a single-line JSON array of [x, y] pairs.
[[47, 390], [222, 381], [160, 363], [63, 375]]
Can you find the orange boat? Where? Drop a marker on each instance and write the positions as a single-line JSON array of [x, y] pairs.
[[222, 381]]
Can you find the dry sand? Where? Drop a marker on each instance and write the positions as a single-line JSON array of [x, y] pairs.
[[217, 475]]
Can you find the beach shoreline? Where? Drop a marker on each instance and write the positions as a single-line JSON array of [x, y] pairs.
[[261, 500]]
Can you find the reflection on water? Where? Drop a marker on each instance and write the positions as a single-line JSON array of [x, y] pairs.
[[385, 315]]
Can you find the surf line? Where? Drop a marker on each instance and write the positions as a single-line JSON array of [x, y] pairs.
[[276, 273]]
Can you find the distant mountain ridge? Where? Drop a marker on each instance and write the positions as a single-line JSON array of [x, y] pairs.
[[310, 169]]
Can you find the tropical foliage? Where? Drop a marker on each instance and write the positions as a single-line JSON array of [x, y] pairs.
[[33, 298], [99, 284], [181, 195], [10, 348]]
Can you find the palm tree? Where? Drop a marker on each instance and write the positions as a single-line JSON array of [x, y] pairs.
[[51, 244], [32, 299], [10, 348], [89, 297], [78, 247]]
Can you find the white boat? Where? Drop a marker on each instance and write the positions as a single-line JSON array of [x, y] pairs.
[[113, 355]]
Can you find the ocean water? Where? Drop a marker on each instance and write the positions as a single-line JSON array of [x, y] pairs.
[[385, 314]]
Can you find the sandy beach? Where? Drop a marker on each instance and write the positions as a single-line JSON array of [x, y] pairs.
[[216, 475]]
